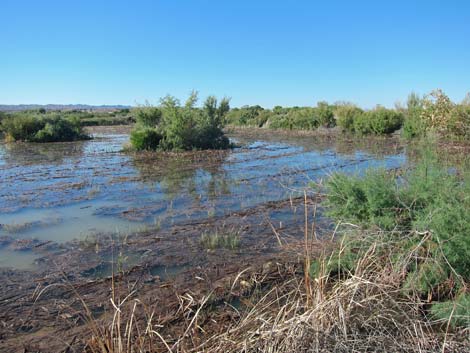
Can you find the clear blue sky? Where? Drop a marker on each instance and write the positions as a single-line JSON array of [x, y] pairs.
[[257, 52]]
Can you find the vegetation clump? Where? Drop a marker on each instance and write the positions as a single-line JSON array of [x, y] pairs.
[[172, 126], [418, 222], [229, 240], [32, 127], [293, 118], [346, 114], [379, 121], [436, 113]]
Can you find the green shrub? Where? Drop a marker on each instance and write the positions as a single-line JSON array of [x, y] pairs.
[[414, 125], [148, 116], [42, 128], [293, 118], [176, 127], [345, 116], [459, 121], [145, 138], [379, 121], [458, 311], [247, 116], [425, 215], [324, 115], [436, 112]]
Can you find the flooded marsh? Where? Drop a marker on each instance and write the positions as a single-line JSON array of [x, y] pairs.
[[63, 192], [89, 214]]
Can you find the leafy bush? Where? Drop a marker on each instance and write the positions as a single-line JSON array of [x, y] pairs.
[[293, 118], [174, 127], [145, 138], [148, 115], [425, 215], [379, 121], [324, 115], [345, 116], [414, 125], [459, 121], [42, 128], [436, 112], [246, 116]]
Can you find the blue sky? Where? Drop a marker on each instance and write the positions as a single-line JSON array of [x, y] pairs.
[[256, 52]]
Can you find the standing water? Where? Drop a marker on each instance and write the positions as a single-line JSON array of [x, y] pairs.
[[58, 192]]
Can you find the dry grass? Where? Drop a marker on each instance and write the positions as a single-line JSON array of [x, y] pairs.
[[367, 312], [364, 310]]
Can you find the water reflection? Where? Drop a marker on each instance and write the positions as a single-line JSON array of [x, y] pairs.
[[25, 154], [197, 174]]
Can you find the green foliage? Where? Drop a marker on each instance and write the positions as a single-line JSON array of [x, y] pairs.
[[436, 112], [414, 125], [294, 118], [324, 115], [148, 116], [145, 138], [247, 116], [229, 240], [424, 212], [345, 116], [457, 311], [459, 121], [379, 121], [42, 128], [177, 127]]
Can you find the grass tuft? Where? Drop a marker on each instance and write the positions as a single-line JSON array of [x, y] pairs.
[[228, 240]]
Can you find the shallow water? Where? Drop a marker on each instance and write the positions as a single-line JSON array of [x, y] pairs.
[[63, 191]]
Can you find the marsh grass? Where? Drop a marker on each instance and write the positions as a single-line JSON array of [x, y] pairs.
[[322, 306], [396, 282], [227, 239], [361, 310]]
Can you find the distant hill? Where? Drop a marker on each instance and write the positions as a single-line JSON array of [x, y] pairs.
[[20, 107]]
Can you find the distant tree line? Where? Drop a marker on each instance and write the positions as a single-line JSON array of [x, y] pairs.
[[433, 112]]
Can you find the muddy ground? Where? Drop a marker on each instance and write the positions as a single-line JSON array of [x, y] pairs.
[[44, 311]]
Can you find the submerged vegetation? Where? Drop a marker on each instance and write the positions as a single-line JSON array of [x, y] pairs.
[[172, 126]]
